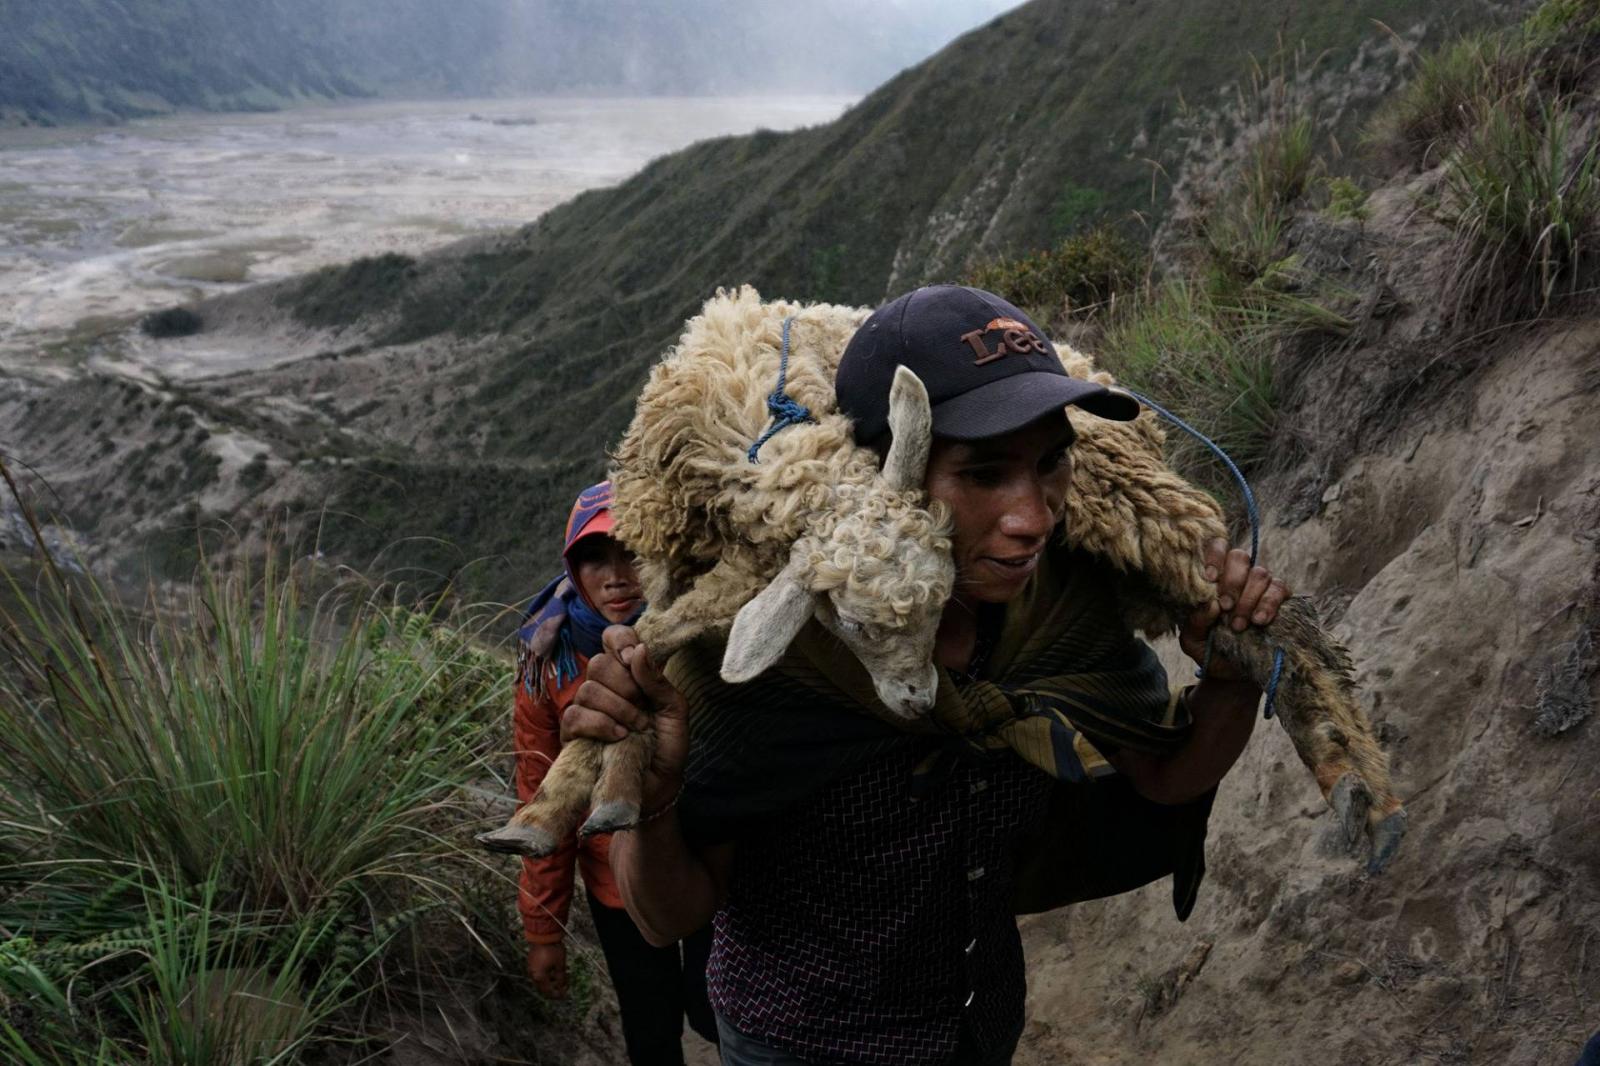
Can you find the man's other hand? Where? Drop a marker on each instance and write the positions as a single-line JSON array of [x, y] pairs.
[[1246, 595]]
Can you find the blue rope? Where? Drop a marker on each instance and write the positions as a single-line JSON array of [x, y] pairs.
[[785, 410], [1227, 461], [1255, 535]]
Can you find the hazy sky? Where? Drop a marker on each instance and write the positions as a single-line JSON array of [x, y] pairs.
[[728, 45]]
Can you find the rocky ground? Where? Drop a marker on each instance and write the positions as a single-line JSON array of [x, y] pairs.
[[1446, 513]]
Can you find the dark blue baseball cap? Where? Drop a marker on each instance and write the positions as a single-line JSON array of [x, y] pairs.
[[988, 369]]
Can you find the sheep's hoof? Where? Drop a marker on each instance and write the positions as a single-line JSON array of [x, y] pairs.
[[1350, 801], [611, 817], [1386, 835], [531, 841]]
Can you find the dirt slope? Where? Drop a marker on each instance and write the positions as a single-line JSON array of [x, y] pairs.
[[1446, 512]]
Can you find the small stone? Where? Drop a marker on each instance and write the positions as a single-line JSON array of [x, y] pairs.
[[1349, 973], [1331, 493]]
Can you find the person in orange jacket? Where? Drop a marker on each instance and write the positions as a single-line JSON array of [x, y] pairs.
[[656, 987]]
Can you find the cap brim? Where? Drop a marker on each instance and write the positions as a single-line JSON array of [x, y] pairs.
[[599, 523], [1013, 402]]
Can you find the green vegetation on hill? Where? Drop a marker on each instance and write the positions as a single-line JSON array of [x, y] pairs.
[[1506, 113], [1052, 117]]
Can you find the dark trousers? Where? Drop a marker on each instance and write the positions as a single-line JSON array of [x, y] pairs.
[[656, 987]]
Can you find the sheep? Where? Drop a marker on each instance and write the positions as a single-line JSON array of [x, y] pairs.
[[816, 530], [813, 529]]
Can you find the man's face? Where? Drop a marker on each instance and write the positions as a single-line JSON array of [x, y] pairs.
[[1005, 495]]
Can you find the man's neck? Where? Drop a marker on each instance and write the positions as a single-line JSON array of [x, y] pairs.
[[957, 636]]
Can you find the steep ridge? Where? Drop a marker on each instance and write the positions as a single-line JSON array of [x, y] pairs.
[[1444, 513], [1477, 945]]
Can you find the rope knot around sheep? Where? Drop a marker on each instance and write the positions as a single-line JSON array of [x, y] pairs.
[[786, 411]]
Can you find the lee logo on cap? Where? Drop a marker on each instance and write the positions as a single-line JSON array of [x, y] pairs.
[[1017, 337]]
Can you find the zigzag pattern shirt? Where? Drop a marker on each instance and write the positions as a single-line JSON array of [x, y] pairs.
[[875, 927]]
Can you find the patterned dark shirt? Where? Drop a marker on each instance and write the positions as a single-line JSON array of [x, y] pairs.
[[868, 926]]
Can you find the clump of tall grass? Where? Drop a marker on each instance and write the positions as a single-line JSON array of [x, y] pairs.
[[1446, 96], [217, 817], [1523, 195], [1211, 365], [1519, 183], [1557, 20], [1240, 232]]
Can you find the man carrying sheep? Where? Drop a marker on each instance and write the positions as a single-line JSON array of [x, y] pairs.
[[864, 880]]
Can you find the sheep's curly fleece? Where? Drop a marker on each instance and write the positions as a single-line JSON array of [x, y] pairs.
[[687, 498]]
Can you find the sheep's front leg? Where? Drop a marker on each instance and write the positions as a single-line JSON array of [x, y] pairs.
[[550, 817], [617, 796]]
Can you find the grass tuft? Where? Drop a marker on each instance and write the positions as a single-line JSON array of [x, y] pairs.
[[218, 817], [1446, 97], [1523, 195], [1208, 364], [1556, 20]]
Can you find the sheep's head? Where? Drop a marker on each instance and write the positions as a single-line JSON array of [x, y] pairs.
[[875, 571]]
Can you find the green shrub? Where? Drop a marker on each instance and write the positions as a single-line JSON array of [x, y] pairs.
[[1075, 205], [1346, 199], [1523, 195], [1080, 273]]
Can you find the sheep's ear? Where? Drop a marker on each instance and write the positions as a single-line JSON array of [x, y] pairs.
[[764, 627], [911, 422]]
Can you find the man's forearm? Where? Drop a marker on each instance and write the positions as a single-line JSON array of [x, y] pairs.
[[669, 890], [1224, 714]]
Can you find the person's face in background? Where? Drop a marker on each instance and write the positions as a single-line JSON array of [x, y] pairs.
[[606, 576]]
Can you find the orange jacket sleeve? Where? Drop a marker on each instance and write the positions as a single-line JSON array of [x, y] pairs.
[[545, 887]]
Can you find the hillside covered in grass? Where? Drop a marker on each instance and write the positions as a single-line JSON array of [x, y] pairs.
[[429, 421], [1056, 117]]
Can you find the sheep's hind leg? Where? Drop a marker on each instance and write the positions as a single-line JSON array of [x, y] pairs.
[[550, 817], [617, 795]]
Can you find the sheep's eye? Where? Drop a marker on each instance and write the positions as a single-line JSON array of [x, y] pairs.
[[851, 626]]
